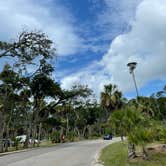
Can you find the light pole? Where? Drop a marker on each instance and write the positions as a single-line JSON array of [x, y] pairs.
[[132, 66]]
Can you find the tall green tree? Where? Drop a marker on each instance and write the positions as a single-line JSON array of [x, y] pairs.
[[42, 87], [31, 48], [9, 87], [123, 122]]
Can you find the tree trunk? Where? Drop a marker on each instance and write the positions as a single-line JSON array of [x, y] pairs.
[[1, 142], [78, 132], [34, 134], [39, 134], [84, 131], [122, 139], [131, 150], [7, 139], [67, 125], [27, 137], [145, 154], [89, 131], [1, 132]]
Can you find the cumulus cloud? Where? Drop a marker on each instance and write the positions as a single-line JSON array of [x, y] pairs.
[[145, 43], [48, 16], [91, 76], [116, 16]]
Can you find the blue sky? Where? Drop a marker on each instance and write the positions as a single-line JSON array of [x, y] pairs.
[[95, 39]]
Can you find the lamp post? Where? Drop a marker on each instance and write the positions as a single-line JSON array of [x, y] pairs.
[[132, 66], [131, 146]]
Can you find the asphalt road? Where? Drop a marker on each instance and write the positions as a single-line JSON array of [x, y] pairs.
[[81, 153]]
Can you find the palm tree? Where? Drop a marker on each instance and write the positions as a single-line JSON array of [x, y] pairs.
[[116, 121], [111, 99], [124, 122]]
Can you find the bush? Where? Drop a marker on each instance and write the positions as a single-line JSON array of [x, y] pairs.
[[71, 135], [163, 134], [55, 137], [16, 142], [141, 135]]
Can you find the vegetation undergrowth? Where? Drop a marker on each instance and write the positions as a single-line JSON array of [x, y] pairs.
[[116, 155], [20, 146]]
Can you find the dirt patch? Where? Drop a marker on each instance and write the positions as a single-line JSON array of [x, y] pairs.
[[151, 151], [157, 148]]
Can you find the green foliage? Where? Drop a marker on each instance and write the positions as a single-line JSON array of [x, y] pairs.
[[111, 98], [117, 123], [141, 135], [162, 133], [123, 121], [55, 137], [161, 101], [16, 142], [71, 136], [140, 128], [42, 85]]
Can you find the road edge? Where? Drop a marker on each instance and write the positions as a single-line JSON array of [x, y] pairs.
[[96, 161]]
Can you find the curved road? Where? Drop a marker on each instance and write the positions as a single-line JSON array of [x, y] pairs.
[[81, 153]]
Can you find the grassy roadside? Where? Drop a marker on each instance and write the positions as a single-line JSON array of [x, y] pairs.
[[116, 155], [20, 147]]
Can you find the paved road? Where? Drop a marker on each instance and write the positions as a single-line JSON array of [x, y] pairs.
[[68, 154]]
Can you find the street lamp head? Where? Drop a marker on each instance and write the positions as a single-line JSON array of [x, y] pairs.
[[132, 66]]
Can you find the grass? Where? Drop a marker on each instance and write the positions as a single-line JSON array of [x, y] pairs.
[[116, 155]]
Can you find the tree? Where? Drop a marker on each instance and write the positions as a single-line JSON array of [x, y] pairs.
[[9, 86], [111, 99], [27, 47], [31, 48], [142, 134], [124, 121], [117, 122], [42, 86]]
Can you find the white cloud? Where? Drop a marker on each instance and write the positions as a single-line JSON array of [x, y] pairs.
[[117, 15], [89, 76], [50, 17], [145, 43]]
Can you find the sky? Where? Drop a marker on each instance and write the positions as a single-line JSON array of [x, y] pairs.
[[95, 39]]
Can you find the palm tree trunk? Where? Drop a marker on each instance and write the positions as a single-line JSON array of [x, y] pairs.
[[145, 154], [131, 150]]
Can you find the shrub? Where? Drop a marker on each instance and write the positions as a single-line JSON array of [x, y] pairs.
[[55, 137], [71, 135]]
